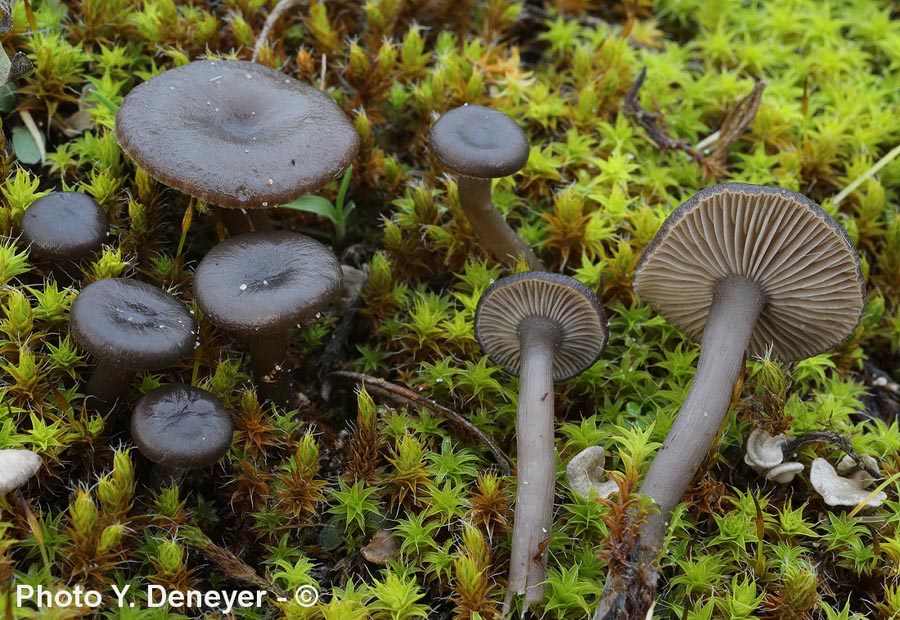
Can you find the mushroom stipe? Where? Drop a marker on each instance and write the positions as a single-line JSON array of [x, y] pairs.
[[748, 268], [543, 327]]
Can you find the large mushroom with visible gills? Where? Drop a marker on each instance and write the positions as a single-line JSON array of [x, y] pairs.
[[744, 269], [257, 286], [542, 327], [129, 326], [479, 144], [237, 135]]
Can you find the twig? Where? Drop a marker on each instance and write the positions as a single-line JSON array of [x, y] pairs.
[[737, 121], [400, 393], [841, 441], [884, 161], [230, 564], [650, 121], [277, 13]]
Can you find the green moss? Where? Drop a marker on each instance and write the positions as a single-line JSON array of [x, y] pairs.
[[302, 492]]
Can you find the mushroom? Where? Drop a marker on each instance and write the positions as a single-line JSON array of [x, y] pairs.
[[784, 473], [129, 326], [259, 285], [63, 227], [237, 135], [764, 451], [478, 144], [838, 490], [585, 474], [543, 327], [745, 267], [16, 468], [180, 427]]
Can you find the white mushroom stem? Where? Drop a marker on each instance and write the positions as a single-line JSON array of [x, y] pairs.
[[735, 308], [536, 461], [490, 226]]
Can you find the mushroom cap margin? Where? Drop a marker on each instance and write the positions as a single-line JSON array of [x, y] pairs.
[[577, 311], [803, 260]]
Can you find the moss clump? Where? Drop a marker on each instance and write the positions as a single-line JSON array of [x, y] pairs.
[[302, 492]]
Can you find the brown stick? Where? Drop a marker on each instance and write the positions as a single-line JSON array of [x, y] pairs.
[[402, 394], [650, 121], [737, 122], [277, 13]]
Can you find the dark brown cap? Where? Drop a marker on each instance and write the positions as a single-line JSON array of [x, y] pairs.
[[132, 324], [801, 258], [64, 226], [479, 142], [266, 282], [182, 427], [235, 134], [573, 307]]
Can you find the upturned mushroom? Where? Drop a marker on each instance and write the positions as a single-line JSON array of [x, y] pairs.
[[586, 475], [129, 326], [838, 490], [479, 144], [62, 228], [259, 285], [541, 327], [237, 135], [744, 268], [180, 427]]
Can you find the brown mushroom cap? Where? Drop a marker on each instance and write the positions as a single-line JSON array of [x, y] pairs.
[[132, 324], [181, 426], [64, 226], [807, 268], [266, 282], [235, 134], [575, 310], [479, 142]]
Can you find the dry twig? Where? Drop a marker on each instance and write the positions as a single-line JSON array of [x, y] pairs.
[[650, 121], [405, 395], [280, 10], [736, 122]]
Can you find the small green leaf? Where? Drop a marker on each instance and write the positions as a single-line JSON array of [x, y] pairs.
[[312, 204], [105, 101], [7, 99], [27, 150]]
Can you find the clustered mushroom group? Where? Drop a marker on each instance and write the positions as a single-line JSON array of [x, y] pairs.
[[743, 268]]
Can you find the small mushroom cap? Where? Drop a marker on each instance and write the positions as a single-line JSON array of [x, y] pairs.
[[785, 472], [132, 323], [181, 426], [235, 133], [839, 491], [64, 226], [574, 308], [586, 475], [16, 468], [807, 269], [764, 451], [266, 282], [479, 142]]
